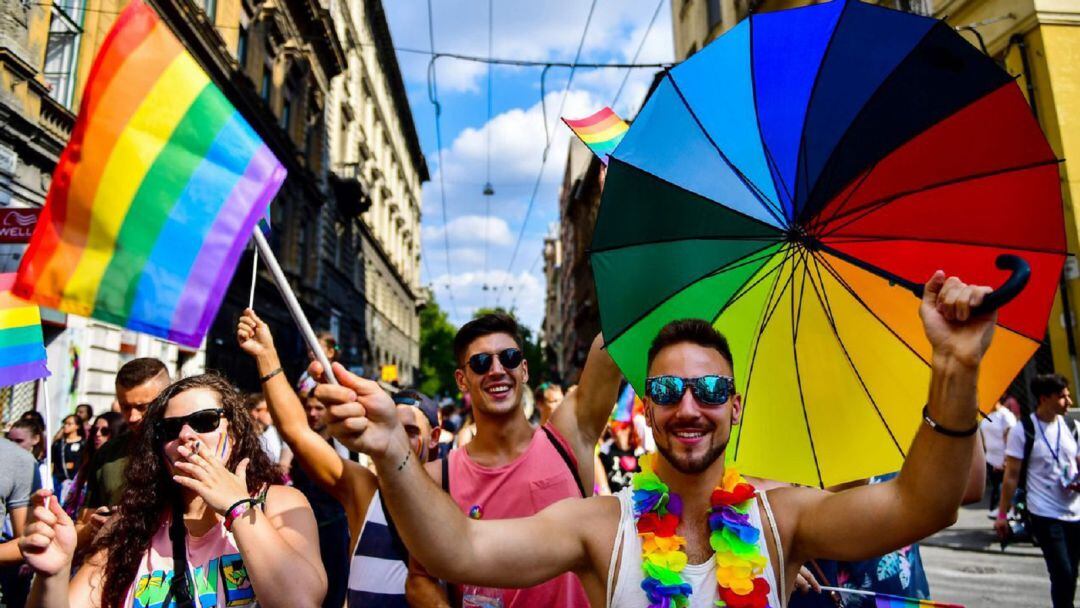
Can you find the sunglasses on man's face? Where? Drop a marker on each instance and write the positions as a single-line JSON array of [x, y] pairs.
[[480, 363], [203, 421], [708, 390]]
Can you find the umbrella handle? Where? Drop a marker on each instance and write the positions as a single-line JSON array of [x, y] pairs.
[[1021, 272]]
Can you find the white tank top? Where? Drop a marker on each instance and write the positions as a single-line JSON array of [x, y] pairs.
[[627, 592]]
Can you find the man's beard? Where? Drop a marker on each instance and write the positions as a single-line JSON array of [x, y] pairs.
[[694, 465]]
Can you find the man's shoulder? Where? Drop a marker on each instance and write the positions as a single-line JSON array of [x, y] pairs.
[[13, 454]]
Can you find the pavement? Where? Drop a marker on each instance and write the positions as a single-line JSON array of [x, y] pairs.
[[966, 565]]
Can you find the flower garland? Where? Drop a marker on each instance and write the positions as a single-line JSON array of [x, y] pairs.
[[739, 563]]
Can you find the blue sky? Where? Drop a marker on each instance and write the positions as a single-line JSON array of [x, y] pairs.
[[481, 245]]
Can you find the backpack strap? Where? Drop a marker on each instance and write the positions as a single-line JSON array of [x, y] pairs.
[[570, 464], [1029, 445], [446, 473]]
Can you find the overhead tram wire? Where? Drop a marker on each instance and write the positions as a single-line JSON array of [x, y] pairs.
[[489, 190], [433, 96], [547, 144], [641, 45]]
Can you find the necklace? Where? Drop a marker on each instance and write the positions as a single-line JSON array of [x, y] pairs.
[[739, 563]]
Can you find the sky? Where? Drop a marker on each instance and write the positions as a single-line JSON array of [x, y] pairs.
[[482, 231]]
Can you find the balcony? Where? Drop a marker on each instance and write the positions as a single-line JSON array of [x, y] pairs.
[[348, 187]]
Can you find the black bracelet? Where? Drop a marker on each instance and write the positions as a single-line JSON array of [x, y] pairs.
[[933, 424], [270, 375]]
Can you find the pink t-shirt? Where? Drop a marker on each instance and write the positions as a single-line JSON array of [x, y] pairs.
[[215, 564], [538, 478]]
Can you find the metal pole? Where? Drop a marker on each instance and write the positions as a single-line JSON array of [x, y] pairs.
[[293, 305]]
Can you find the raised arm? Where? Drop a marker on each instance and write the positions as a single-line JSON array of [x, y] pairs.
[[497, 553], [318, 458], [583, 413], [924, 497]]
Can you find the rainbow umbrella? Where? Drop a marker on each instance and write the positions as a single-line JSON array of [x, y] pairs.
[[798, 200]]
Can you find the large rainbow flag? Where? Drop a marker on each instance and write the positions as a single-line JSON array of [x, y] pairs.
[[156, 194], [22, 350], [601, 132]]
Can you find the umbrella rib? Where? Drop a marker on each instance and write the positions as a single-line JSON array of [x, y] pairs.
[[829, 166], [743, 289], [766, 239], [798, 376], [762, 324], [818, 222], [869, 238], [823, 298], [748, 258], [774, 169], [868, 208], [839, 279], [691, 192], [761, 198], [809, 102]]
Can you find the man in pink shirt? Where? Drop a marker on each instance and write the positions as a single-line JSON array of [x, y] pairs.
[[510, 468]]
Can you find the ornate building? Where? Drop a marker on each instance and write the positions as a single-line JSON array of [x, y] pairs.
[[373, 143]]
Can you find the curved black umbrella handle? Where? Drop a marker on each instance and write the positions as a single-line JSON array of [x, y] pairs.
[[1021, 272]]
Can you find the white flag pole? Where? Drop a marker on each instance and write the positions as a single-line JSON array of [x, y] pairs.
[[47, 480], [293, 305], [254, 276]]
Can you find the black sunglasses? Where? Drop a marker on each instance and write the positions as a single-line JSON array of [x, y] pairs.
[[104, 431], [202, 421], [510, 358], [709, 390]]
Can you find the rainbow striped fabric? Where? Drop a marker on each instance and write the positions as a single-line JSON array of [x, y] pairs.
[[624, 407], [22, 351], [601, 132], [156, 194], [884, 600]]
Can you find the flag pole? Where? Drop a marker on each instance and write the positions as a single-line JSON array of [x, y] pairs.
[[254, 277], [293, 305], [47, 479]]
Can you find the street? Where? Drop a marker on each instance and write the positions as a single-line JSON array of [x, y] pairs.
[[965, 565]]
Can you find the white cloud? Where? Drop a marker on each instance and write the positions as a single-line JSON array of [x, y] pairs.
[[523, 292]]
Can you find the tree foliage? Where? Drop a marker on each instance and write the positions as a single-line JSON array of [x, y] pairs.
[[437, 363]]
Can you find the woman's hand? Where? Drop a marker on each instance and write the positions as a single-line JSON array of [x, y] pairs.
[[253, 334], [48, 542], [203, 473]]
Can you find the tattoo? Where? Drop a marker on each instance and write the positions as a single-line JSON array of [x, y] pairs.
[[406, 461]]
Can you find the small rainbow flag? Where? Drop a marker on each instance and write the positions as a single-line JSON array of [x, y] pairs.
[[156, 194], [601, 132], [624, 407], [22, 350], [884, 600]]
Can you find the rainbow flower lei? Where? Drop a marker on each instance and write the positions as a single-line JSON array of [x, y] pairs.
[[739, 563]]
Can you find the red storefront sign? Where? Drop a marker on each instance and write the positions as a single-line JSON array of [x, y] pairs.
[[16, 225]]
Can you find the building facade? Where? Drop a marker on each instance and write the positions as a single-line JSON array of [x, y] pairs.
[[572, 315], [372, 140]]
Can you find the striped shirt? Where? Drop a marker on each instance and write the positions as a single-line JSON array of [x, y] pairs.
[[379, 563]]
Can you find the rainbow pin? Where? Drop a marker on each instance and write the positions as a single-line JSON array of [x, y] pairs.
[[476, 512]]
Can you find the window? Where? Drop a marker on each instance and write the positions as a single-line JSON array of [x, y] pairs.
[[268, 74], [62, 49], [266, 83], [242, 44], [714, 14], [210, 6], [286, 111]]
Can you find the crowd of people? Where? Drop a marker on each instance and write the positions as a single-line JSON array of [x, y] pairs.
[[312, 493]]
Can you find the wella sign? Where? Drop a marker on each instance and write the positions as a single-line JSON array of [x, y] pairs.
[[16, 225]]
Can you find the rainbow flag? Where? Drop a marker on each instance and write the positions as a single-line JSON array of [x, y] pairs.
[[22, 350], [601, 132], [156, 194], [884, 600], [624, 406]]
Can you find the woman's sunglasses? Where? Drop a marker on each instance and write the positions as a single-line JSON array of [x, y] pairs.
[[104, 431], [202, 421], [480, 363], [708, 390]]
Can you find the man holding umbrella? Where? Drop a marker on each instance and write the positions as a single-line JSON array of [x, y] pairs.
[[654, 542]]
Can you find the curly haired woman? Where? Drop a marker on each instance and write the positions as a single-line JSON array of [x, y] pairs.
[[202, 522]]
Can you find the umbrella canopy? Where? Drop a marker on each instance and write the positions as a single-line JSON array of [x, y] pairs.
[[788, 183]]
